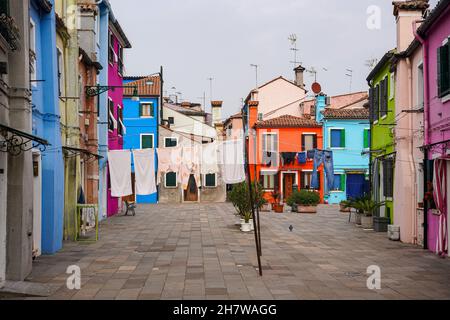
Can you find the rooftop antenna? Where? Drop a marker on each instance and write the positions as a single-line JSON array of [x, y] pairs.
[[203, 99], [350, 75], [293, 39], [210, 79], [256, 72], [371, 63]]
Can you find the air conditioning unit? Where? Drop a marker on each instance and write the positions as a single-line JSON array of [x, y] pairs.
[[328, 101]]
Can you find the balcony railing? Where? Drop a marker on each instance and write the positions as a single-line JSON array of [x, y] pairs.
[[10, 31]]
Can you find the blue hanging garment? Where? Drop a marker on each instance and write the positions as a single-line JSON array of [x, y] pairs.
[[301, 157]]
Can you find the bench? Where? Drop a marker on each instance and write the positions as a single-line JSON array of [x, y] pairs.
[[130, 206]]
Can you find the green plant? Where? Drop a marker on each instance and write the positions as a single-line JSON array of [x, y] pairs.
[[365, 206], [247, 217], [240, 200], [258, 195], [304, 198], [276, 196]]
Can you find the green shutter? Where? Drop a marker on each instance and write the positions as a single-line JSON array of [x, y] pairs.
[[147, 142], [140, 110], [210, 180], [366, 138], [444, 70], [4, 7], [342, 182], [343, 138], [171, 179]]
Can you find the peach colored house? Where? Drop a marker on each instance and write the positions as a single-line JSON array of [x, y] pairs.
[[409, 97], [233, 127]]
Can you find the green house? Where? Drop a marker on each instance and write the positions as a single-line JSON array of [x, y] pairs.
[[382, 121]]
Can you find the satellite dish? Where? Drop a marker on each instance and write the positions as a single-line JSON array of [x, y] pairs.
[[316, 88]]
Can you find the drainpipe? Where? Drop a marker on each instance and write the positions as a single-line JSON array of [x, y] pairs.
[[426, 106], [370, 148]]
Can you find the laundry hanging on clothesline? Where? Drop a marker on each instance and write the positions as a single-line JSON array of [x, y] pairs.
[[324, 157], [144, 169], [190, 163], [232, 160], [169, 160], [209, 156], [120, 173]]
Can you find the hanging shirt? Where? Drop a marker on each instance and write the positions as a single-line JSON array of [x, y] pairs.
[[144, 168], [120, 173], [301, 157], [232, 159], [209, 156], [288, 157]]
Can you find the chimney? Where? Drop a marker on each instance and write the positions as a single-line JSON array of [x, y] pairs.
[[88, 12], [321, 104], [406, 12], [299, 76], [216, 107]]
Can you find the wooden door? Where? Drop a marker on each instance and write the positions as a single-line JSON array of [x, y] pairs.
[[288, 185], [191, 194]]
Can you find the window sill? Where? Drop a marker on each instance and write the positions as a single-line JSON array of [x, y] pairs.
[[383, 117], [445, 98], [165, 187], [337, 191], [146, 117], [205, 187]]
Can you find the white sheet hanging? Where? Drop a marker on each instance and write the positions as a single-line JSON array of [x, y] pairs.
[[209, 156], [169, 160], [120, 173], [144, 169], [232, 159]]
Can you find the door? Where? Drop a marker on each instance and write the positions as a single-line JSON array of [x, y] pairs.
[[288, 185], [448, 206], [191, 194], [37, 204], [132, 197], [356, 185]]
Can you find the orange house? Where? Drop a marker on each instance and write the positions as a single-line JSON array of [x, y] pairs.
[[275, 150]]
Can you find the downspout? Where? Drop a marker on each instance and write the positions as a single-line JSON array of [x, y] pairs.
[[370, 148], [426, 106]]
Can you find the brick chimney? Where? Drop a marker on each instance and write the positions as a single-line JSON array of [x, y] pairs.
[[406, 12], [299, 76], [216, 107]]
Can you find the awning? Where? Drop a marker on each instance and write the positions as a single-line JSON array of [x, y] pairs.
[[15, 141], [77, 151]]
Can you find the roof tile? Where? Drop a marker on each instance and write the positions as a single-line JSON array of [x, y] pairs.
[[288, 121]]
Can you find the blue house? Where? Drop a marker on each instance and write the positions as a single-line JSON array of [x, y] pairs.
[[346, 131], [141, 104], [48, 165]]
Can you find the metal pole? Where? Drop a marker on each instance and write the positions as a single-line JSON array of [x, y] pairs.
[[257, 208]]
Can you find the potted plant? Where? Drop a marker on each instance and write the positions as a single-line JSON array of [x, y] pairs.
[[240, 200], [276, 198], [304, 201], [345, 206], [366, 207], [258, 195], [247, 226]]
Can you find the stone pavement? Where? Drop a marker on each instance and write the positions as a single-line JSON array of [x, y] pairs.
[[195, 251]]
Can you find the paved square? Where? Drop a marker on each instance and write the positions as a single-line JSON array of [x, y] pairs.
[[194, 251]]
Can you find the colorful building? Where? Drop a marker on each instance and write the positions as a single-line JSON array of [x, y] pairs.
[[48, 186], [434, 35], [141, 120], [382, 122], [111, 44], [346, 132]]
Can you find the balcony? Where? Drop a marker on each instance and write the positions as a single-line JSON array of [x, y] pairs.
[[9, 31]]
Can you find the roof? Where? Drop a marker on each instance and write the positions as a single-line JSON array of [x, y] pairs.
[[288, 121], [387, 57], [270, 82], [435, 14], [410, 5], [144, 88], [184, 110], [233, 117], [358, 113], [126, 43]]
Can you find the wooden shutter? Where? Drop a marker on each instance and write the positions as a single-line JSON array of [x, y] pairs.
[[277, 182], [141, 111], [303, 142], [377, 103], [210, 180], [315, 141], [439, 71], [147, 142], [171, 179], [4, 7], [371, 105], [342, 182], [386, 95], [366, 139], [343, 138]]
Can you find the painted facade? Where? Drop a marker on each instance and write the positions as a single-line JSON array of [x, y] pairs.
[[346, 132], [382, 121], [48, 186], [141, 120]]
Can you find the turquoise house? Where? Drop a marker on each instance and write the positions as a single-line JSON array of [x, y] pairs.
[[346, 132], [141, 121]]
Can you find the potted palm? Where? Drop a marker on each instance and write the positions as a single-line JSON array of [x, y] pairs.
[[239, 198], [276, 199], [366, 207], [247, 225], [304, 201], [344, 206]]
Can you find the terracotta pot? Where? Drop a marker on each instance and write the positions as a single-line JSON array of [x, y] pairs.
[[307, 209], [344, 209], [278, 208], [358, 218]]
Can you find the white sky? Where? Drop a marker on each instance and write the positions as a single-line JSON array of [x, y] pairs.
[[198, 39]]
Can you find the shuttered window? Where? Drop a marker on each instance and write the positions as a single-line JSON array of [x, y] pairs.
[[146, 141], [306, 177], [267, 180], [339, 182], [376, 103], [210, 180], [443, 65], [270, 149], [309, 142], [366, 139], [111, 119], [388, 178], [146, 110], [384, 97], [171, 180], [337, 138], [170, 142]]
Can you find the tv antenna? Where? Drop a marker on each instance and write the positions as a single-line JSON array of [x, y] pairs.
[[314, 72], [371, 63], [293, 39], [210, 79], [350, 75], [256, 73]]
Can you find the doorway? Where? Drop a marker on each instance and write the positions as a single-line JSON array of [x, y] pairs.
[[191, 194], [37, 204], [289, 180], [356, 186]]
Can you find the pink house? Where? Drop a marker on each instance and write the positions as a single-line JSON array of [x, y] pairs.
[[434, 35], [116, 44]]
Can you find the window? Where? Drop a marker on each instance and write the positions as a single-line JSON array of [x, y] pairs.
[[267, 180], [111, 53], [309, 142], [121, 126], [443, 65], [388, 178], [112, 122], [171, 120], [376, 103], [33, 52], [391, 86], [337, 138], [384, 97], [60, 61], [270, 149], [366, 139], [420, 87], [146, 110], [339, 182], [146, 141], [97, 30], [120, 60], [210, 180], [306, 177], [4, 7], [170, 180], [170, 142]]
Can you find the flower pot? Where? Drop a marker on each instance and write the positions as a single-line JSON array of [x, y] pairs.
[[246, 227], [367, 222], [307, 209], [294, 208], [252, 226], [266, 208], [278, 208], [238, 221], [380, 224], [343, 208], [358, 218]]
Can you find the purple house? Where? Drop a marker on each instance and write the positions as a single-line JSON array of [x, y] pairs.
[[117, 42], [434, 34]]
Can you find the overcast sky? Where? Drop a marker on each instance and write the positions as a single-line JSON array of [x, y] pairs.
[[198, 39]]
